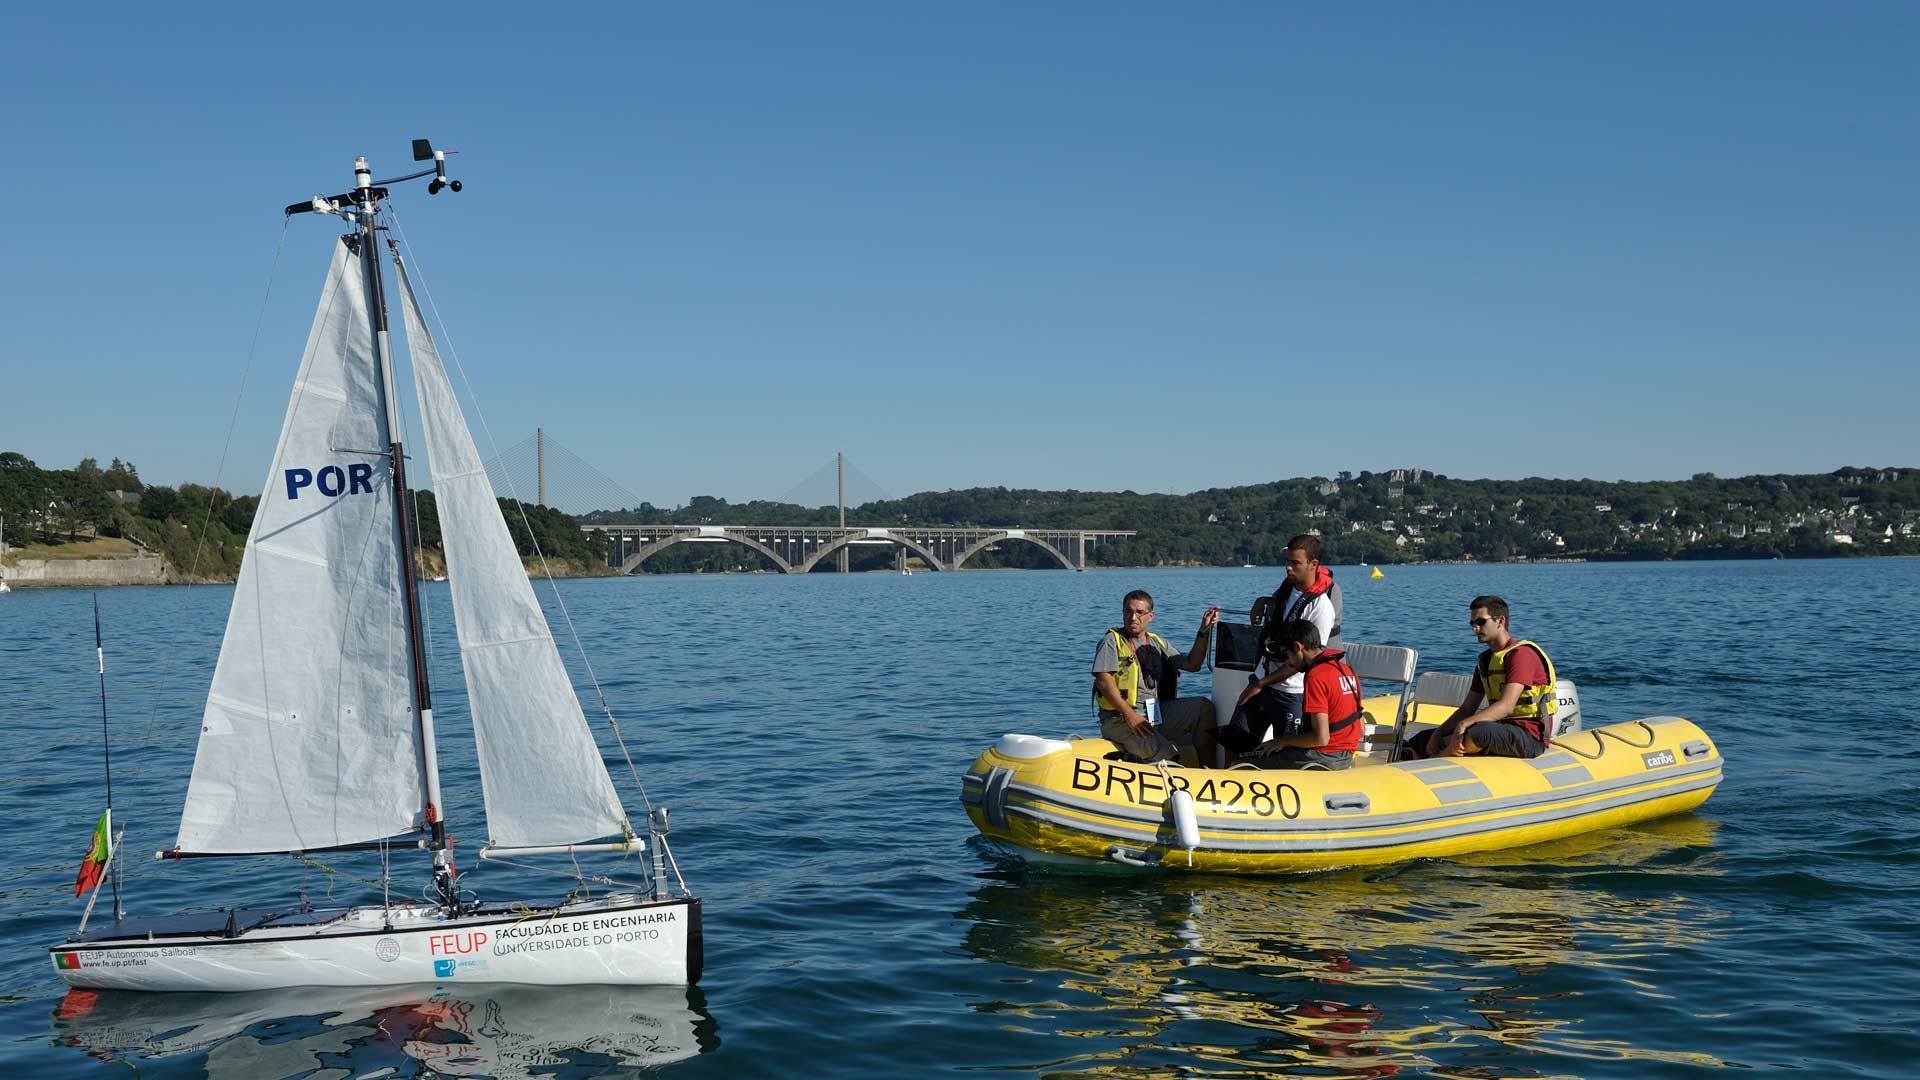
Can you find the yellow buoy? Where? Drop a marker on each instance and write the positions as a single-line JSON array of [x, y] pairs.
[[1377, 573]]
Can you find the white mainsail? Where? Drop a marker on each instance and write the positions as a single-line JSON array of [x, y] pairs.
[[309, 738], [540, 770]]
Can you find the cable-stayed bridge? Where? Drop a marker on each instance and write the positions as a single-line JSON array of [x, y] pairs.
[[555, 476]]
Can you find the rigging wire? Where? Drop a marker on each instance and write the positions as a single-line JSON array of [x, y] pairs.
[[239, 397], [520, 506], [598, 879], [220, 468]]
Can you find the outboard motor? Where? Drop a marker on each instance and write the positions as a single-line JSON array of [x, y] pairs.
[[1566, 718]]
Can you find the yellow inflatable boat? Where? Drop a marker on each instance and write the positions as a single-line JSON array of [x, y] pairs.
[[1075, 799]]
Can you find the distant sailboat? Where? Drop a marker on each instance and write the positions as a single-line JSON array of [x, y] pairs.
[[318, 731]]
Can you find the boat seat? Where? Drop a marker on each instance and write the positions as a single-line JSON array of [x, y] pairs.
[[1383, 663], [1432, 688], [1442, 688]]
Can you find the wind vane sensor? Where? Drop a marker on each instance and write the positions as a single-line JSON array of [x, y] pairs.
[[368, 191]]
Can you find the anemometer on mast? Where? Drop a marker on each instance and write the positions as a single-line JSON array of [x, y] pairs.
[[368, 190]]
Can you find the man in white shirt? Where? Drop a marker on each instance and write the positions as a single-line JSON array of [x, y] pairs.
[[1273, 700]]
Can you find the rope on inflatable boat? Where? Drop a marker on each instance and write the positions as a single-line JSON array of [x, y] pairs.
[[1600, 744], [1600, 748], [1612, 734]]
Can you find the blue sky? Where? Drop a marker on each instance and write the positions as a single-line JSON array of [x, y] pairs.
[[1096, 246]]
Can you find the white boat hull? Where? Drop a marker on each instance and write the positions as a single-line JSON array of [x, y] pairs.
[[624, 941]]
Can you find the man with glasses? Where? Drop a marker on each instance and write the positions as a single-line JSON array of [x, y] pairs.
[[1134, 680], [1515, 681]]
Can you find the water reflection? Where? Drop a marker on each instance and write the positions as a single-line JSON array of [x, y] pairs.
[[490, 1031], [1474, 964]]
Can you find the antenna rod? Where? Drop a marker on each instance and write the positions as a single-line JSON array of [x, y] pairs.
[[106, 751]]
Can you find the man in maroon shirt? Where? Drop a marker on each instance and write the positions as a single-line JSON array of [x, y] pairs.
[[1514, 679]]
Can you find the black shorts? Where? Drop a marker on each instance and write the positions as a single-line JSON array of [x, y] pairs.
[[1273, 708], [1496, 738]]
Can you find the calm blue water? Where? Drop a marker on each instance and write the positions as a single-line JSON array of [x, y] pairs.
[[809, 734]]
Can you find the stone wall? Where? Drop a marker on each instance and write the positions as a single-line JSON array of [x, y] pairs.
[[30, 573]]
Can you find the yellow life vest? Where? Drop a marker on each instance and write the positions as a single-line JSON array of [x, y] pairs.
[[1128, 675], [1538, 703]]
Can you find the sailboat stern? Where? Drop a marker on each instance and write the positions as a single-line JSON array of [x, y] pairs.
[[696, 942]]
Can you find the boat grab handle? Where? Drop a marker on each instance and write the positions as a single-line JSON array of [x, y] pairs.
[[1128, 856], [1348, 802], [1695, 749]]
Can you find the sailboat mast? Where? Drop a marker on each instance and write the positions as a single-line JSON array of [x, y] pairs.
[[368, 198]]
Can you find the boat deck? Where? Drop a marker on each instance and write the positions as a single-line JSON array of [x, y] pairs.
[[231, 923]]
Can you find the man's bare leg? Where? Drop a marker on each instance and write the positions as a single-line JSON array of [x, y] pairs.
[[1206, 746]]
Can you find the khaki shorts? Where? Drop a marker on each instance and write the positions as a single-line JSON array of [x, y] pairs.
[[1179, 719]]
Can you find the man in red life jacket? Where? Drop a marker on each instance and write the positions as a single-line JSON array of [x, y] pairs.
[[1135, 683], [1330, 728], [1509, 711], [1273, 700]]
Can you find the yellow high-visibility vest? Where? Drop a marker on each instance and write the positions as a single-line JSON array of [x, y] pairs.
[[1127, 678], [1538, 703]]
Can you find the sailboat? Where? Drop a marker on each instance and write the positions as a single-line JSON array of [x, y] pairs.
[[318, 730]]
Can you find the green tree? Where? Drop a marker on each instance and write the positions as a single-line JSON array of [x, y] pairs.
[[83, 492], [238, 516], [159, 503], [25, 491], [122, 476]]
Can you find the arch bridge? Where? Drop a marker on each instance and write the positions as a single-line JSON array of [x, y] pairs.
[[798, 549]]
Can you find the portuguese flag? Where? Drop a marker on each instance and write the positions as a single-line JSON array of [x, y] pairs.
[[95, 863]]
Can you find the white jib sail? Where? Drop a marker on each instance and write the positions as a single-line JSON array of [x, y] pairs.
[[309, 738], [540, 770]]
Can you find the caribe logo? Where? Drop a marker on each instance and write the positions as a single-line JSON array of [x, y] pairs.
[[332, 481]]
